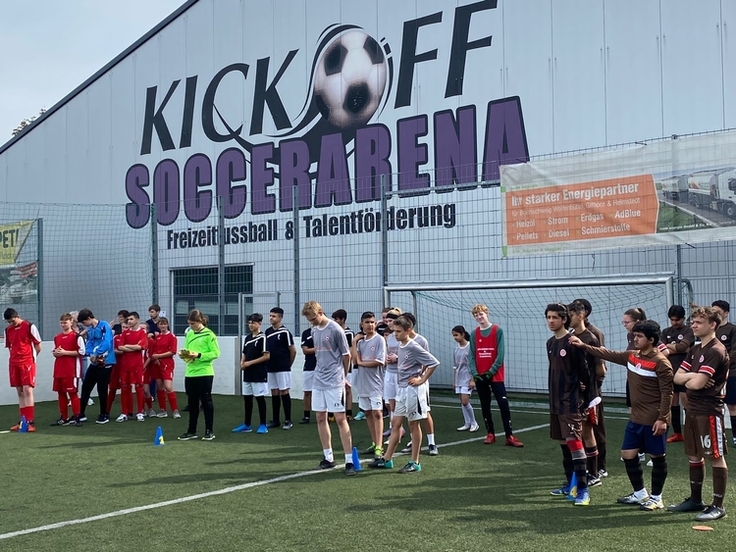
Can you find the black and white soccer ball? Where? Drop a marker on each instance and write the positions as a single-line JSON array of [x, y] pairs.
[[350, 79]]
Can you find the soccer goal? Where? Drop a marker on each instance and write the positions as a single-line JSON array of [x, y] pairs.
[[518, 307]]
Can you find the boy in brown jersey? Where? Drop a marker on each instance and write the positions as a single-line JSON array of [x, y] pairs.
[[568, 377], [726, 334], [703, 373], [649, 375], [676, 340]]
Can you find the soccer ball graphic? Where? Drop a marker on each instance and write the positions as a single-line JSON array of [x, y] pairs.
[[350, 79]]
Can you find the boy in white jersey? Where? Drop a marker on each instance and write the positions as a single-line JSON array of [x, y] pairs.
[[328, 391], [369, 354], [390, 377], [415, 366]]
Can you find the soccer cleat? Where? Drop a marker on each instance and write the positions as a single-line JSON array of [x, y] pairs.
[[82, 418], [652, 504], [16, 427], [287, 425], [187, 436], [407, 448], [101, 419], [76, 423], [433, 450], [273, 424], [60, 422], [561, 491], [465, 427], [151, 413], [711, 513], [304, 420], [594, 481], [162, 414], [474, 428], [602, 473], [411, 467], [633, 499], [513, 442], [31, 427], [387, 432], [370, 450], [675, 438], [325, 464], [583, 498], [350, 469], [349, 418], [378, 453], [140, 417], [360, 416], [122, 418], [490, 439], [262, 429], [687, 505], [380, 463], [642, 457], [242, 428], [331, 418], [208, 436]]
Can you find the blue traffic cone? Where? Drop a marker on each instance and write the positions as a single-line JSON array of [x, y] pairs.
[[158, 440], [23, 424], [356, 459], [572, 495]]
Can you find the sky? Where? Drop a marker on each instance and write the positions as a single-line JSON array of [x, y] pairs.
[[49, 47]]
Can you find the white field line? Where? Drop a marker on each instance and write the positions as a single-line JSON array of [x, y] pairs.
[[226, 490]]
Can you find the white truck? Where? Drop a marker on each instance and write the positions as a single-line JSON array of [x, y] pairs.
[[714, 190], [675, 188]]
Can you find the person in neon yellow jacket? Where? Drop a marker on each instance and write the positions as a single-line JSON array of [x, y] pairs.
[[199, 352]]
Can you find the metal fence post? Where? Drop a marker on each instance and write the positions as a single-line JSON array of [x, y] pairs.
[[39, 275], [220, 264], [154, 255], [295, 219]]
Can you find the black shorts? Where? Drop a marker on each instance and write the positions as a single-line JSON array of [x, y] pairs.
[[731, 391]]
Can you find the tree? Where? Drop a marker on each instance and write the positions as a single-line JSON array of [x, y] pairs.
[[25, 123]]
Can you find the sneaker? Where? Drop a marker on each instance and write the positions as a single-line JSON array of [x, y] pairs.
[[272, 424], [677, 438], [687, 505], [140, 417], [602, 473], [75, 422], [633, 499], [90, 402], [350, 469], [411, 467], [650, 464], [407, 448], [331, 418], [465, 427], [474, 428], [490, 439], [642, 457], [101, 419], [304, 420], [262, 429], [583, 498], [561, 491], [208, 436], [360, 416], [433, 450], [176, 415], [711, 513], [151, 413], [371, 450], [349, 418], [242, 428], [82, 418], [380, 463], [122, 418], [652, 504], [162, 414], [60, 422], [325, 464], [287, 425], [594, 481], [514, 442], [187, 436], [387, 433]]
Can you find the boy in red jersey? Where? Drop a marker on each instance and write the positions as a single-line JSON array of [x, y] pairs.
[[162, 361], [149, 371], [24, 343], [114, 384], [68, 352], [134, 345]]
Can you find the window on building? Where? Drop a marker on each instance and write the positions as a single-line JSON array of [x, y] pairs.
[[197, 288]]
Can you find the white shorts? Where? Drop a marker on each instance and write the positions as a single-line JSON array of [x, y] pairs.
[[463, 390], [308, 381], [370, 403], [279, 380], [352, 378], [413, 402], [390, 385], [257, 389], [328, 400]]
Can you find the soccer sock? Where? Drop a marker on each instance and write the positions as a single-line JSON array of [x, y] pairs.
[[468, 414], [720, 480], [635, 473], [31, 413], [591, 455], [307, 414], [348, 458], [276, 405], [349, 412], [659, 474], [248, 405], [503, 407], [140, 397], [75, 404], [111, 399], [328, 455], [567, 462], [676, 419], [430, 438], [286, 400], [62, 405], [149, 402], [580, 468], [261, 402], [173, 401], [697, 474], [161, 396]]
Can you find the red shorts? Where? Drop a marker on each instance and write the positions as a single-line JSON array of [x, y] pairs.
[[22, 375], [65, 385], [114, 377], [161, 372], [131, 376]]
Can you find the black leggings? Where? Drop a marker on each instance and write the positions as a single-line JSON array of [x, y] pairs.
[[199, 390], [99, 376], [484, 389]]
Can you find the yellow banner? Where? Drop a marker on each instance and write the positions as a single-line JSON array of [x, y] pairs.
[[12, 238]]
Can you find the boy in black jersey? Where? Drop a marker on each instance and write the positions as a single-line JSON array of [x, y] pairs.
[[253, 363]]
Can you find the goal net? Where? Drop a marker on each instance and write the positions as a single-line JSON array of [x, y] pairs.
[[518, 307]]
